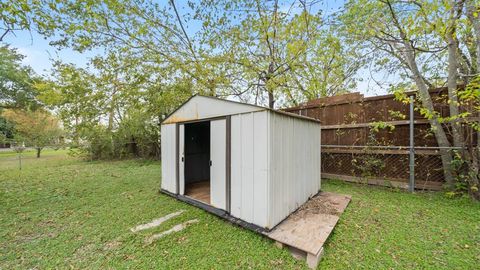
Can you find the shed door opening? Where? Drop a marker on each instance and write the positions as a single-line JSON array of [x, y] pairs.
[[196, 151], [202, 155]]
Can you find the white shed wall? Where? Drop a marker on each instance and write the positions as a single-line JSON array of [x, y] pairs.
[[169, 159], [294, 164], [249, 167]]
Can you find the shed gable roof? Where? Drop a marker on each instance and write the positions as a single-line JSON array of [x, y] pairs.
[[202, 107]]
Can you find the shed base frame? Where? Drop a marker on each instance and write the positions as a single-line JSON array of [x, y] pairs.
[[218, 212]]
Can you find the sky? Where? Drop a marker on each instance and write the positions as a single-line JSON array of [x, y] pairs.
[[39, 54]]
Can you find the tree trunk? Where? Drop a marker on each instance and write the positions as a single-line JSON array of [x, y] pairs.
[[111, 111], [408, 53], [453, 77], [76, 137], [427, 103], [271, 97], [271, 101], [39, 149]]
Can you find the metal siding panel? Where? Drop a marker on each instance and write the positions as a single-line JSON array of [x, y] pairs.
[[236, 165], [319, 159], [294, 164], [269, 172], [218, 143], [249, 163], [168, 144], [273, 172], [247, 168], [260, 179]]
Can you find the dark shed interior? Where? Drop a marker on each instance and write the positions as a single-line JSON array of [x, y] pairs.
[[197, 152], [197, 161]]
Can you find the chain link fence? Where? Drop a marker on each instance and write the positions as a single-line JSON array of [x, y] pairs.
[[384, 165]]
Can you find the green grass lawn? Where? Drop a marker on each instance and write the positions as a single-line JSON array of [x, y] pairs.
[[61, 212]]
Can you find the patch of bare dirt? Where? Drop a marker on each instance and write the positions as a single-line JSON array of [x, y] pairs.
[[112, 245], [84, 251], [319, 204]]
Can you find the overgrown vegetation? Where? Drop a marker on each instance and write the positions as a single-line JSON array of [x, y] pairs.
[[62, 212]]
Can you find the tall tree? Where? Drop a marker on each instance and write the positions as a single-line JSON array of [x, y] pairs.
[[419, 39], [17, 82], [280, 50], [35, 128]]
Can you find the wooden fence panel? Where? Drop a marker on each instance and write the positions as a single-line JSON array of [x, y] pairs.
[[347, 120]]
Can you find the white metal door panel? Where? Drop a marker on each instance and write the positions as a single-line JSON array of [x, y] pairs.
[[236, 165], [181, 159], [169, 157], [218, 153]]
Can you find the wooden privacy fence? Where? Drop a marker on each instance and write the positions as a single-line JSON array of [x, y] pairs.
[[354, 150]]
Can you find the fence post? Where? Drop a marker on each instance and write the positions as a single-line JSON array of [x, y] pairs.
[[20, 160], [411, 186]]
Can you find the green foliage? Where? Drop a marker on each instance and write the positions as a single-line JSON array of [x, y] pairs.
[[114, 112], [396, 115], [293, 54], [380, 125], [136, 136], [7, 130], [368, 165], [26, 15], [34, 128], [464, 183], [17, 82], [153, 62]]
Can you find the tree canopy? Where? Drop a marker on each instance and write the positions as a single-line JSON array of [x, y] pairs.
[[17, 82], [34, 128]]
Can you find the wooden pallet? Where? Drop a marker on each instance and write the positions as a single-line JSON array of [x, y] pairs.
[[305, 231]]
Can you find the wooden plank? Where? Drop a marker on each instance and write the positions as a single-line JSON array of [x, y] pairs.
[[308, 228], [393, 123], [314, 259], [355, 97], [326, 149], [199, 191], [399, 183], [364, 125]]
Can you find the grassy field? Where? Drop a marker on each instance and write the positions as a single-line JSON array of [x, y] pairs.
[[61, 212]]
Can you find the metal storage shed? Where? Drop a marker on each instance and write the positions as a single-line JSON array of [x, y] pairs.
[[250, 164]]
